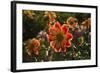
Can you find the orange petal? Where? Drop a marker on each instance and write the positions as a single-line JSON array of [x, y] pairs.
[[69, 36], [64, 28], [50, 37], [57, 25], [68, 44], [63, 44], [36, 51], [52, 30], [54, 47]]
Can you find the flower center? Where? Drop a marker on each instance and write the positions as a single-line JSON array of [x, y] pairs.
[[71, 23], [32, 46], [60, 37]]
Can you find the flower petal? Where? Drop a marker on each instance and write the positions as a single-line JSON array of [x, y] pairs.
[[64, 28], [63, 44], [33, 47], [50, 37], [52, 30], [36, 51], [69, 36], [55, 46], [57, 25], [68, 44]]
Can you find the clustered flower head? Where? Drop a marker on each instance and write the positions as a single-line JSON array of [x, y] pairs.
[[59, 37], [33, 47], [28, 13], [52, 17], [72, 22], [86, 24]]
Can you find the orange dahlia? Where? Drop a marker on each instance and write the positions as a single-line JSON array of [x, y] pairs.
[[59, 37], [51, 15], [33, 47], [72, 22], [86, 24]]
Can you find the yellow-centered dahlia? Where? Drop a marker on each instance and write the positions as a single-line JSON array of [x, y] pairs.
[[59, 37]]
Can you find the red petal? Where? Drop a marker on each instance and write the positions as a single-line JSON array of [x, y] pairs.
[[64, 28], [57, 25], [57, 48], [52, 30], [68, 44], [63, 44], [69, 36], [54, 46], [50, 37]]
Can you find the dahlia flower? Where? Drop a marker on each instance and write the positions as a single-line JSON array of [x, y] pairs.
[[59, 37], [33, 47]]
